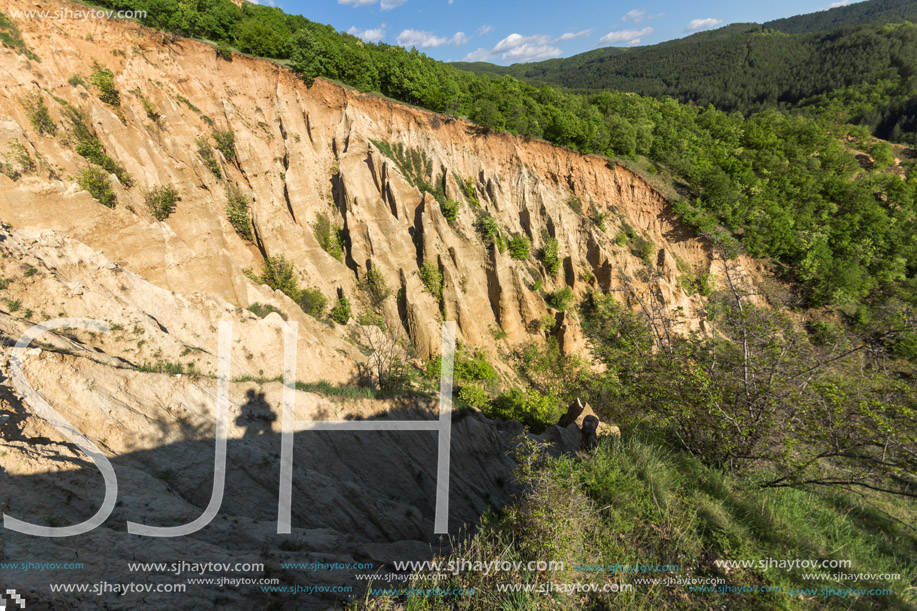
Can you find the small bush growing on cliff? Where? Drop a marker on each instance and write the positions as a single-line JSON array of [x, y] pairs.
[[312, 302], [341, 312], [95, 180], [450, 209], [329, 236], [561, 300], [237, 211], [519, 247], [489, 229], [161, 201], [375, 286], [226, 143], [279, 273], [550, 256], [643, 249], [576, 204], [205, 151], [432, 279], [103, 79], [38, 113]]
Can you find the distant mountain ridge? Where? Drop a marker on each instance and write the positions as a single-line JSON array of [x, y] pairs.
[[749, 67]]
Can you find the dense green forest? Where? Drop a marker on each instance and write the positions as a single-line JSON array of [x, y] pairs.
[[872, 11], [749, 67], [784, 184]]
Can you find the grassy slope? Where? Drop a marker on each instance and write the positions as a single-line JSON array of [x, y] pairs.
[[649, 506]]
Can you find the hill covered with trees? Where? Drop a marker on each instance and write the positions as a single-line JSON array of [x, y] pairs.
[[751, 67]]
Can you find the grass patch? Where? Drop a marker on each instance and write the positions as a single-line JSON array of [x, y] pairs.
[[90, 147], [10, 37], [38, 113], [632, 502]]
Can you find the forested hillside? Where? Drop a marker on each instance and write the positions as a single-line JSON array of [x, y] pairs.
[[874, 12], [749, 67]]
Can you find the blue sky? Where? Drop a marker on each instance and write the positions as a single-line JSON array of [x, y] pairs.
[[513, 31]]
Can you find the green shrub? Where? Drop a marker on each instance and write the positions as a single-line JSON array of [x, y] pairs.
[[103, 79], [341, 311], [489, 229], [533, 409], [560, 300], [432, 279], [95, 180], [263, 309], [621, 238], [38, 113], [76, 81], [205, 151], [237, 211], [312, 302], [519, 247], [450, 209], [13, 305], [375, 286], [472, 395], [161, 201], [226, 143], [280, 274], [643, 249], [329, 236], [599, 220], [546, 323], [550, 256]]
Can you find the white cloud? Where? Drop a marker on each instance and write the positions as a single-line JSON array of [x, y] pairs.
[[516, 40], [635, 15], [702, 24], [485, 29], [837, 4], [428, 40], [574, 35], [368, 35], [625, 37], [420, 39], [357, 2], [478, 55], [517, 48]]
